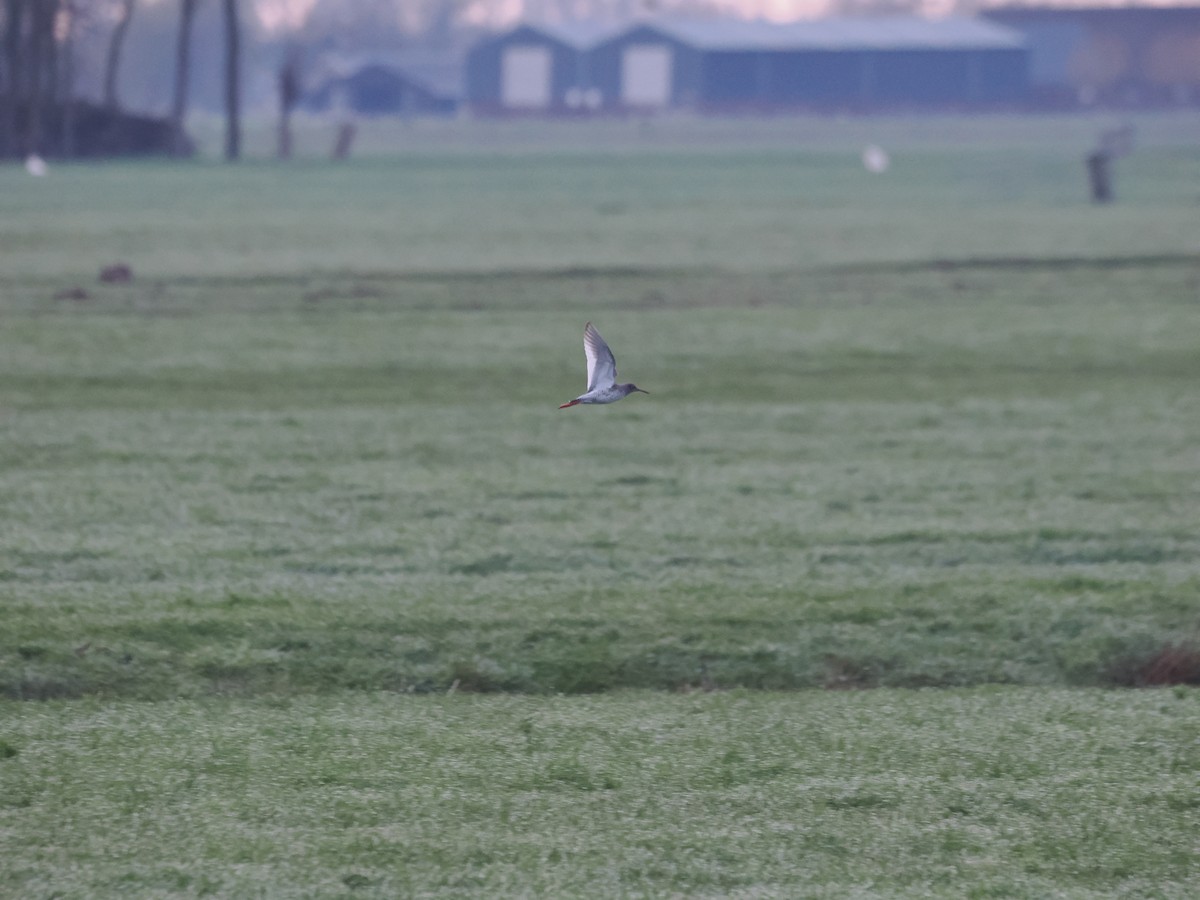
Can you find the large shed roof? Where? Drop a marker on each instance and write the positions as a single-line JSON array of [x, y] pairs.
[[580, 34], [438, 72], [877, 33]]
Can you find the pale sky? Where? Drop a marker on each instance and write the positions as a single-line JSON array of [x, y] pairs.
[[290, 14]]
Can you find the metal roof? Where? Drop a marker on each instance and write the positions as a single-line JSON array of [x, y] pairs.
[[874, 33], [580, 34], [439, 72]]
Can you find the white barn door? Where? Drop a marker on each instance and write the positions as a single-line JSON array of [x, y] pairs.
[[646, 75], [525, 77]]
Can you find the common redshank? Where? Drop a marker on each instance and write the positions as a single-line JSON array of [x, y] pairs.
[[602, 384]]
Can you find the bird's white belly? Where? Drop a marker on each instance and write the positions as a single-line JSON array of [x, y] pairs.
[[608, 395]]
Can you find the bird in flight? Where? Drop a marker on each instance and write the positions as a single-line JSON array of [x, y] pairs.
[[602, 384]]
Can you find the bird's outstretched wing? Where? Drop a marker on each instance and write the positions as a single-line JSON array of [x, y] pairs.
[[601, 367]]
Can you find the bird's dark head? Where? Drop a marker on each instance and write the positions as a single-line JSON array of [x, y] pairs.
[[630, 388]]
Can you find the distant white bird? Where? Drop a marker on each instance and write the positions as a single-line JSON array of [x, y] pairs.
[[875, 159], [35, 165], [602, 384]]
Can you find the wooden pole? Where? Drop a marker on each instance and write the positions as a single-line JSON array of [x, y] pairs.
[[233, 122], [1098, 176]]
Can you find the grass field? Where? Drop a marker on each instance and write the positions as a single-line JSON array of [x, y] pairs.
[[936, 429], [988, 793]]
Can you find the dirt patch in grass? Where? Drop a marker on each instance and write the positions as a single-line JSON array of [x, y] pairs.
[[1171, 664]]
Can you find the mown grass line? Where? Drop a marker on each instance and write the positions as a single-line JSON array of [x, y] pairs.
[[246, 644], [650, 273], [1109, 261]]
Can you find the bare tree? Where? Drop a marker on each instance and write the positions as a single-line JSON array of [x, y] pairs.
[[233, 124], [289, 93], [39, 64], [29, 78], [14, 15], [183, 50], [113, 65], [70, 9]]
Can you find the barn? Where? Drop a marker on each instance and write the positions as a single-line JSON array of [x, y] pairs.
[[534, 69], [382, 85], [859, 63]]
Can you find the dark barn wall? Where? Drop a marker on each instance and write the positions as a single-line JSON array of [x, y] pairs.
[[862, 79], [604, 66], [568, 69], [481, 74], [949, 77], [818, 78], [1003, 76], [732, 79], [917, 77]]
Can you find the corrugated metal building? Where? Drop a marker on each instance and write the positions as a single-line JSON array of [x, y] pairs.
[[868, 63], [381, 85], [534, 69]]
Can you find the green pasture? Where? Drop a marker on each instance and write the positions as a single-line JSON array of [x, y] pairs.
[[265, 505], [987, 793]]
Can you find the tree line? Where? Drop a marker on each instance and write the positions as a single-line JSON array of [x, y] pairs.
[[42, 111], [61, 60]]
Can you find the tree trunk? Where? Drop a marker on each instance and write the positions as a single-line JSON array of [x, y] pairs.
[[233, 125], [345, 140], [67, 84], [289, 93], [68, 106], [183, 52], [50, 49], [11, 98], [284, 150], [34, 80], [115, 46]]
